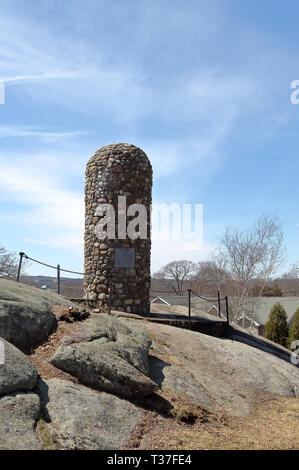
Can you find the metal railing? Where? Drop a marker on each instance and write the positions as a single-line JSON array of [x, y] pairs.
[[218, 300], [189, 291], [186, 300], [57, 268]]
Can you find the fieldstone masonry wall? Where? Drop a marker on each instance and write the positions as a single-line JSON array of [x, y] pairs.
[[117, 170]]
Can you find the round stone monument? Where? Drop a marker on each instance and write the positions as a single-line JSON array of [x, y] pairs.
[[118, 196]]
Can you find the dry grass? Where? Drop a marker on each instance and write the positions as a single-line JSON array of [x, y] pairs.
[[44, 435], [273, 426]]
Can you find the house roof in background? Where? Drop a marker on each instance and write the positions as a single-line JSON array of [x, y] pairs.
[[290, 304]]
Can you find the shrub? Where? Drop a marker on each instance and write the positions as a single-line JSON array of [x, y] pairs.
[[277, 325], [294, 332]]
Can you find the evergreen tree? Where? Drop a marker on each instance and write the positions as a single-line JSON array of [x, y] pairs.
[[294, 332], [277, 325]]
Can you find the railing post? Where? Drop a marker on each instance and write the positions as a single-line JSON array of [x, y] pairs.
[[219, 304], [189, 305], [58, 278], [20, 265], [227, 311], [110, 291]]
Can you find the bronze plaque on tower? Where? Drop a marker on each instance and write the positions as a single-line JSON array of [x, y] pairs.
[[124, 258]]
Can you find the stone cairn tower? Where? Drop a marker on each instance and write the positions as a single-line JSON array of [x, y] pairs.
[[118, 172]]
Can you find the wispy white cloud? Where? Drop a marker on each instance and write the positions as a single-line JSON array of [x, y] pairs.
[[44, 76], [122, 89], [47, 135], [76, 76], [69, 240], [50, 205]]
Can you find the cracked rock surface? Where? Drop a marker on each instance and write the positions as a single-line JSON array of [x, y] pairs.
[[108, 354]]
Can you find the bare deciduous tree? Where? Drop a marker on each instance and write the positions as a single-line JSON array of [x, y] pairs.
[[211, 276], [291, 280], [174, 274], [250, 255], [8, 264]]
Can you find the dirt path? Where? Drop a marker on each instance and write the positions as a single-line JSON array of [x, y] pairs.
[[42, 355]]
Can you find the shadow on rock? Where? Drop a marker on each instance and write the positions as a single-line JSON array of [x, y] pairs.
[[156, 403], [42, 390], [156, 367]]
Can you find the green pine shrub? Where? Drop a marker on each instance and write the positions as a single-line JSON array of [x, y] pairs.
[[277, 326], [294, 332]]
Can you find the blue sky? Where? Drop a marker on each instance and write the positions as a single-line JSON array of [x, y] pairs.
[[203, 87]]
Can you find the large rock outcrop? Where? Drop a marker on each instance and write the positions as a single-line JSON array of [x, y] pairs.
[[17, 373], [19, 413], [220, 374], [26, 314], [108, 354], [79, 418]]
